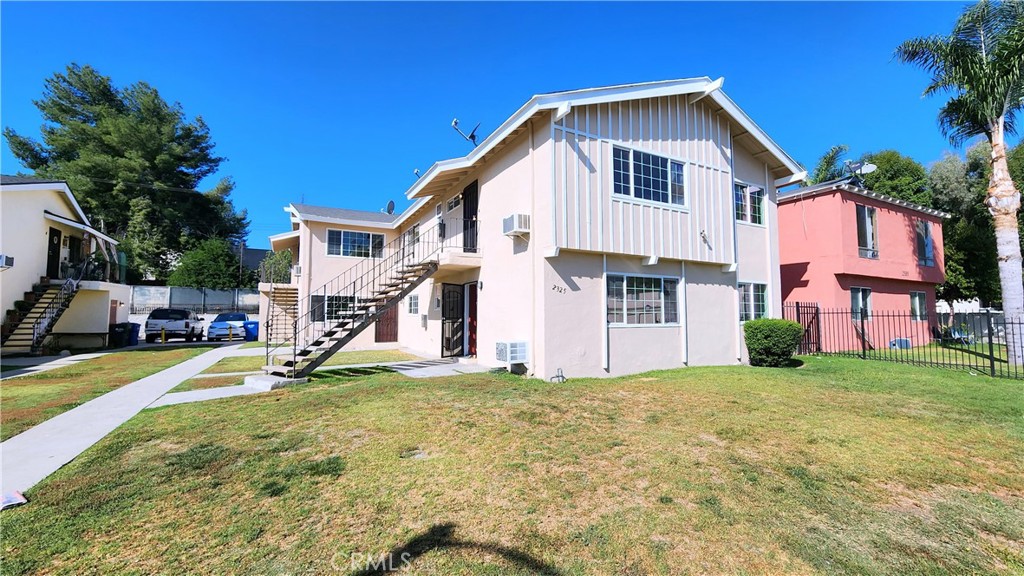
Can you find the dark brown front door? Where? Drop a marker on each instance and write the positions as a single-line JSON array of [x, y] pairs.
[[387, 325], [471, 317], [53, 254]]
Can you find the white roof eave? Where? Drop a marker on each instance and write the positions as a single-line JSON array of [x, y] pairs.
[[590, 96]]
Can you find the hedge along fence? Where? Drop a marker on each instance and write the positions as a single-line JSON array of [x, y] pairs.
[[145, 299], [771, 341]]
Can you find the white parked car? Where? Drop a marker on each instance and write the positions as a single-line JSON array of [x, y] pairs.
[[229, 325], [174, 323]]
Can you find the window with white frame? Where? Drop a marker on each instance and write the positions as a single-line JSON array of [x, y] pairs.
[[749, 202], [648, 176], [454, 202], [355, 244], [414, 303], [925, 249], [867, 232], [642, 300], [330, 308], [918, 306], [860, 300], [753, 300]]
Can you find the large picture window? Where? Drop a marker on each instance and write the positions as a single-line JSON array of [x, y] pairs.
[[355, 244], [753, 301], [330, 309], [648, 176], [642, 300]]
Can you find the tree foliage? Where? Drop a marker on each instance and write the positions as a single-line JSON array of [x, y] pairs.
[[829, 166], [125, 151], [898, 176], [276, 267], [211, 264]]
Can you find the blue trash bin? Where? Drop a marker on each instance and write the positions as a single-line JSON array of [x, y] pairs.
[[252, 330], [133, 334]]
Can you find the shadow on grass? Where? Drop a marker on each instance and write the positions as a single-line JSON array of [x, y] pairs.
[[342, 372], [441, 536], [793, 363]]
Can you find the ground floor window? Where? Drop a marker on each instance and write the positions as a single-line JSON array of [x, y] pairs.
[[753, 301], [331, 308], [414, 303], [918, 306], [642, 300], [860, 300]]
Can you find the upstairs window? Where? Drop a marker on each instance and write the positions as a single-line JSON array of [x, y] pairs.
[[355, 244], [648, 176], [642, 300], [867, 232], [753, 301], [749, 201], [925, 249]]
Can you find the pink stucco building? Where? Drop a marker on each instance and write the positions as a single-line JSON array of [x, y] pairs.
[[845, 247]]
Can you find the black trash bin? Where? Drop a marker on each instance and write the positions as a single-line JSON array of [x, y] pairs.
[[118, 336], [133, 333]]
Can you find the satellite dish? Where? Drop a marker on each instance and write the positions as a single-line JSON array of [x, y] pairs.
[[867, 169], [391, 207], [471, 137]]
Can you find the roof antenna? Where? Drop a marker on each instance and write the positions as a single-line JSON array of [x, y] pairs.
[[416, 172], [472, 134]]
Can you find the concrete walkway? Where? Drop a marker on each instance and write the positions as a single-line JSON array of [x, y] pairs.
[[38, 452]]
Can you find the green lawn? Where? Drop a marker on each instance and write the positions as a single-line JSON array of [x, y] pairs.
[[839, 467], [256, 363], [28, 400]]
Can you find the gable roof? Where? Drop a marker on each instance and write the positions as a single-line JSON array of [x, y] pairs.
[[445, 172], [852, 184], [341, 215], [30, 183]]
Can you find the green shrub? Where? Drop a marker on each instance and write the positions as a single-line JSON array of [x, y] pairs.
[[771, 342]]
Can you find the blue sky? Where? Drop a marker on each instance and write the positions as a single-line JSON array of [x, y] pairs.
[[337, 103]]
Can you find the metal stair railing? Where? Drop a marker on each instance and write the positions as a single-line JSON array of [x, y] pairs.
[[355, 297], [42, 325]]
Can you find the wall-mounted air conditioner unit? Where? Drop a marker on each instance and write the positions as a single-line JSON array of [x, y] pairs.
[[512, 352], [516, 225], [296, 270], [6, 262]]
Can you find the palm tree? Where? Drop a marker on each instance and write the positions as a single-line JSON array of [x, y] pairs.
[[981, 64], [829, 166]]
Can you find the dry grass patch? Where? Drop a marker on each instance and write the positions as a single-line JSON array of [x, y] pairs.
[[209, 382], [703, 471]]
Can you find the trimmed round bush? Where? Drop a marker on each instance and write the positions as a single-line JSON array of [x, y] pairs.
[[771, 341]]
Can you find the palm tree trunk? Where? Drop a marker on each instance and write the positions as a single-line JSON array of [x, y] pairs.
[[1003, 203]]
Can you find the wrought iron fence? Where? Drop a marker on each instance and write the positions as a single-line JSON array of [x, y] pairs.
[[985, 342]]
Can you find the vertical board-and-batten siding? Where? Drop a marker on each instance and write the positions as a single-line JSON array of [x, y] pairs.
[[587, 214]]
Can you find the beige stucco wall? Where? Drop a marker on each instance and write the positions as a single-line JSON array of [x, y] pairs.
[[24, 234], [712, 315], [758, 245]]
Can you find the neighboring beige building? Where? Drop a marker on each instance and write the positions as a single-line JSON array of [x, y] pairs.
[[59, 278], [611, 230]]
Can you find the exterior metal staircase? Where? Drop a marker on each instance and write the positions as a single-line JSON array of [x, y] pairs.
[[334, 314], [283, 310], [28, 335]]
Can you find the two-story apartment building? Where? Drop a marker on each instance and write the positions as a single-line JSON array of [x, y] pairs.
[[845, 247], [609, 230]]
